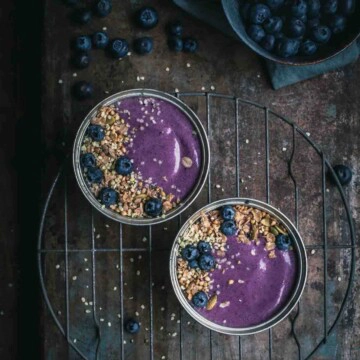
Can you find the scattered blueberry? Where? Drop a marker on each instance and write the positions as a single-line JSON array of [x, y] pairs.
[[82, 16], [175, 43], [274, 4], [256, 32], [347, 7], [102, 8], [94, 175], [273, 25], [175, 28], [147, 17], [200, 299], [190, 252], [123, 165], [337, 23], [118, 48], [108, 196], [87, 160], [143, 45], [295, 28], [227, 212], [313, 8], [259, 13], [83, 90], [132, 326], [299, 8], [206, 262], [286, 47], [204, 247], [190, 45], [96, 132], [268, 42], [193, 264], [100, 40], [343, 173], [308, 47], [283, 242], [153, 207], [82, 43], [228, 228], [321, 34], [81, 59], [330, 7]]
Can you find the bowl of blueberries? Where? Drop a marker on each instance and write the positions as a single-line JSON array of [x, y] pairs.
[[295, 32]]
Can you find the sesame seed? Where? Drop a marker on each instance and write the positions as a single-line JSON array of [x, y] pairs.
[[142, 306], [218, 186], [119, 316], [131, 259], [167, 69], [188, 65], [74, 341], [60, 81], [163, 357], [98, 236], [339, 278], [138, 273], [162, 309], [57, 266], [161, 328], [109, 324], [102, 319], [85, 259], [74, 278], [247, 141], [2, 313], [203, 88], [87, 311], [139, 257], [104, 28], [313, 251], [176, 90], [212, 87], [174, 334], [74, 74], [83, 299], [136, 313], [115, 288]]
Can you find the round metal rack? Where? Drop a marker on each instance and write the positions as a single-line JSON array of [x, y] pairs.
[[271, 158]]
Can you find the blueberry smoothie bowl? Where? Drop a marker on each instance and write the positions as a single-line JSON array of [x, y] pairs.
[[141, 157], [238, 266]]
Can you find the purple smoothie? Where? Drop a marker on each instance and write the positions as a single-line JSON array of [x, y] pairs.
[[261, 288], [162, 136]]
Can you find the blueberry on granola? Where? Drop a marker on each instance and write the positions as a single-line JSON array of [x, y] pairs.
[[132, 326], [147, 17], [94, 175], [227, 212], [283, 242], [87, 160], [193, 264], [96, 132], [206, 262], [228, 228], [108, 196], [123, 165], [200, 299], [204, 247], [189, 253], [153, 207]]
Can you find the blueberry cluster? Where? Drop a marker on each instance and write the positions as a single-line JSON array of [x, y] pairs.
[[199, 256], [176, 42], [228, 227], [292, 27]]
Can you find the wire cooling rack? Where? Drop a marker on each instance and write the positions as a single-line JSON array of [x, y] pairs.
[[95, 273]]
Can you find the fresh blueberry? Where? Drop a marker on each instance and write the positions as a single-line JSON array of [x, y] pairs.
[[108, 196], [193, 264], [256, 32], [82, 43], [70, 2], [337, 23], [82, 16], [279, 35], [295, 28], [200, 299], [228, 228], [299, 8], [94, 175], [330, 7], [132, 326], [259, 13], [87, 160], [303, 18], [268, 42], [96, 132], [118, 48], [206, 262], [286, 47], [204, 247], [320, 34], [123, 165], [273, 25], [143, 45], [147, 17], [274, 4], [343, 173], [227, 212], [83, 90], [282, 242], [347, 7], [100, 40], [175, 28], [308, 47], [102, 8], [313, 22], [190, 45], [153, 207], [81, 59], [190, 252], [313, 8], [175, 43]]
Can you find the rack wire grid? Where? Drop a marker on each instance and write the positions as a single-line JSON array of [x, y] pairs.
[[96, 273]]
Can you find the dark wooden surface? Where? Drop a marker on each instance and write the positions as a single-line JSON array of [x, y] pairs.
[[328, 107]]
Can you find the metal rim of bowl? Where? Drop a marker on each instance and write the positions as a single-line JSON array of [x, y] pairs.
[[298, 288], [205, 153]]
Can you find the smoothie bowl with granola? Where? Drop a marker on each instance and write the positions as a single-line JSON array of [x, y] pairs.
[[238, 266], [141, 157]]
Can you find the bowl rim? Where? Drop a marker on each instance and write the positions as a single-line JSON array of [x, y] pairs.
[[203, 140], [298, 287]]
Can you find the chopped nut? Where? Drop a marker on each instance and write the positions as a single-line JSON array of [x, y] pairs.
[[211, 303], [224, 304], [230, 282], [186, 162]]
